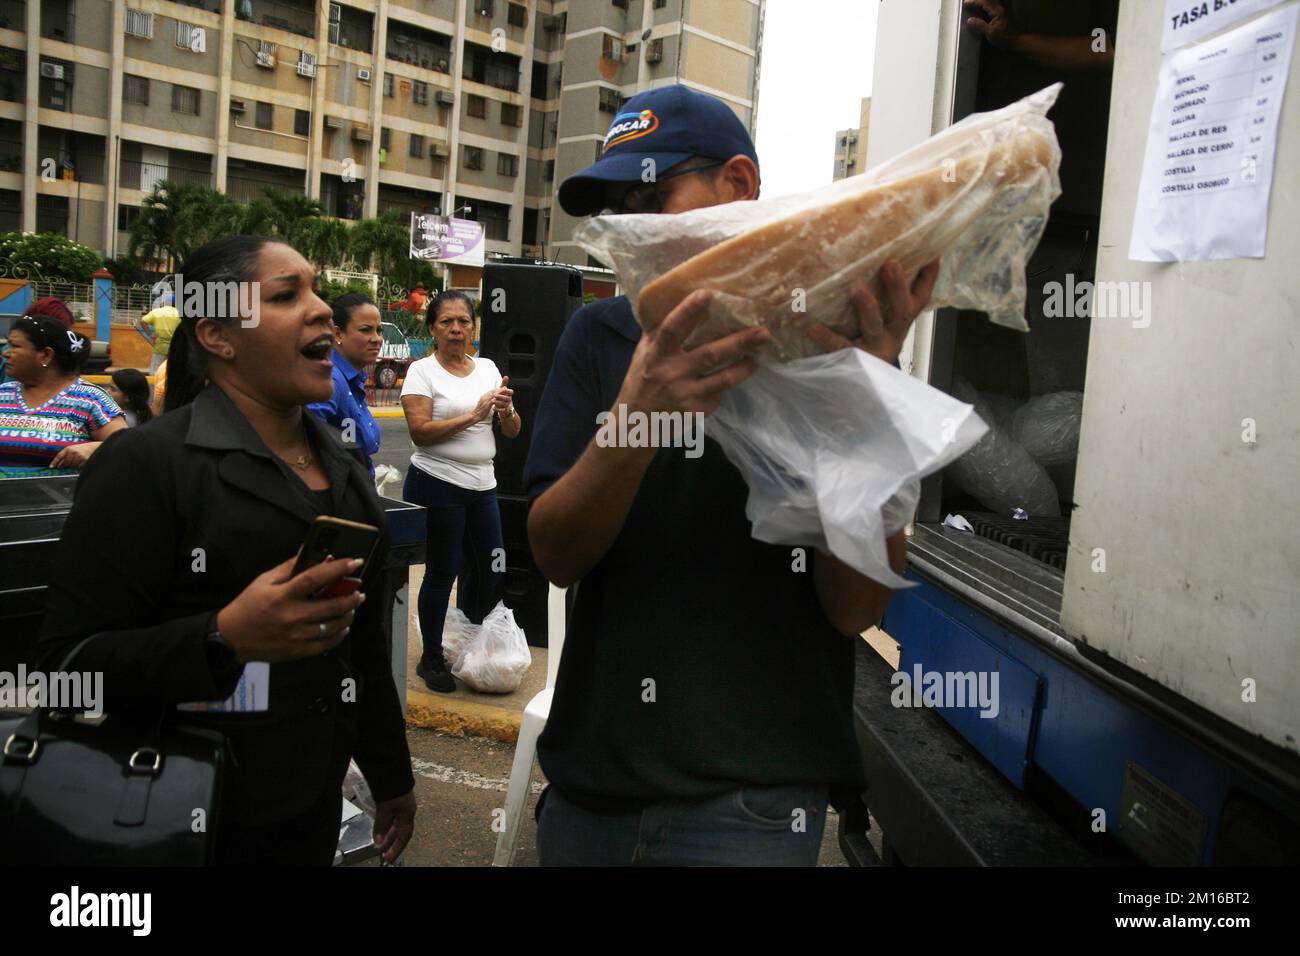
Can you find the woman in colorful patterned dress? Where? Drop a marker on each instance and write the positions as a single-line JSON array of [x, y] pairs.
[[50, 419]]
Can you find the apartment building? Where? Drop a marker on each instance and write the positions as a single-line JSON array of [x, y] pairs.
[[851, 145], [475, 108]]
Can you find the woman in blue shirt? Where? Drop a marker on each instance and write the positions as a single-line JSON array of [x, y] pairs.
[[357, 340]]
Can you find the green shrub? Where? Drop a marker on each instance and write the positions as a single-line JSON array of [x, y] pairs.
[[47, 255]]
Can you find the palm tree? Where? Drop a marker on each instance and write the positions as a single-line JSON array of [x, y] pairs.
[[323, 242], [176, 219], [282, 214], [382, 243]]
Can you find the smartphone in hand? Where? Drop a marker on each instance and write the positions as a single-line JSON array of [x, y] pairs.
[[342, 539]]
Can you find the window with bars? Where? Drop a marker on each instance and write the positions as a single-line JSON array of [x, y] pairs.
[[301, 123], [476, 106], [416, 146], [139, 24], [473, 157], [507, 165], [185, 99], [511, 115], [190, 37], [611, 48], [610, 100], [517, 15], [265, 118], [420, 93], [135, 89]]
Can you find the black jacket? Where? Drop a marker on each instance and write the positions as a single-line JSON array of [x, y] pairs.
[[170, 522]]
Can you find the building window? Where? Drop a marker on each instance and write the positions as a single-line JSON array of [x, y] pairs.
[[385, 137], [265, 116], [517, 15], [477, 106], [660, 4], [388, 84], [301, 123], [420, 93], [507, 165], [610, 100], [548, 170], [612, 48], [417, 146], [473, 157], [191, 37], [135, 89], [511, 115], [185, 99], [126, 216], [139, 24]]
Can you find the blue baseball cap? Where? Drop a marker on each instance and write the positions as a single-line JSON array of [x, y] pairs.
[[669, 125]]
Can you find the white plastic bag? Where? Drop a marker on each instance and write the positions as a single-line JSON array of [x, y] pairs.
[[843, 442], [356, 789], [1048, 427], [457, 633], [978, 194], [497, 657], [998, 472], [384, 476]]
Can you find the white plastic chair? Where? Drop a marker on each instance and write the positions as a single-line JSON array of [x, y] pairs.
[[535, 714]]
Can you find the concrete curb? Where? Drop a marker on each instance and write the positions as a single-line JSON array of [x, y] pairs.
[[386, 412], [454, 715]]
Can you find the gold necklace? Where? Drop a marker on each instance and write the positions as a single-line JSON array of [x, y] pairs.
[[304, 460]]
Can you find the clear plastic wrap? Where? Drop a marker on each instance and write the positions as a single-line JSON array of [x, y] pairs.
[[978, 194], [837, 460], [496, 658], [457, 632], [1048, 427], [998, 472]]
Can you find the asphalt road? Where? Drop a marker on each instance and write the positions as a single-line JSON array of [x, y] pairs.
[[394, 449]]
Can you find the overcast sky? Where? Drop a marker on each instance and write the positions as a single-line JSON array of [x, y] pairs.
[[826, 46]]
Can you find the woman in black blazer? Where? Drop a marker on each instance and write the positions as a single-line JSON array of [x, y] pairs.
[[177, 557]]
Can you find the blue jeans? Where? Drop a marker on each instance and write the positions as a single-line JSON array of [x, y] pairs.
[[463, 529], [749, 826]]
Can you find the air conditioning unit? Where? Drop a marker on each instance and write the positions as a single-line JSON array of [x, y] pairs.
[[654, 51], [333, 122], [266, 55], [52, 71], [437, 149], [363, 76], [238, 106], [361, 134], [445, 98], [306, 63]]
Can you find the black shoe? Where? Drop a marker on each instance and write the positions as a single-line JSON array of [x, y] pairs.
[[435, 674]]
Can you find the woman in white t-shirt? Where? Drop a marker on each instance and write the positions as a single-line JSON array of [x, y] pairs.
[[450, 400]]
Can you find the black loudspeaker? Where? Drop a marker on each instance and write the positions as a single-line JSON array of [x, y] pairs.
[[525, 309], [524, 590]]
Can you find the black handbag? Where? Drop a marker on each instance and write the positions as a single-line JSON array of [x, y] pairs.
[[138, 791]]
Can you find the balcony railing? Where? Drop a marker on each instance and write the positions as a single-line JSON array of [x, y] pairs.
[[212, 6], [11, 156], [71, 167], [284, 16], [137, 174], [13, 15], [419, 53]]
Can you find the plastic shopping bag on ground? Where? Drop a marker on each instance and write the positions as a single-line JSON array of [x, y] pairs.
[[844, 440], [457, 633], [497, 657]]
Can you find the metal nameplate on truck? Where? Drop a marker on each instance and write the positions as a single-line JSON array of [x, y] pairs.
[[1159, 824]]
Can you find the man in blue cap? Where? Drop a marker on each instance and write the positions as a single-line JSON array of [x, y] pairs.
[[703, 707]]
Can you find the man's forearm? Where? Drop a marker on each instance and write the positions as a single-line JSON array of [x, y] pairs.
[[852, 601], [1071, 54], [575, 521]]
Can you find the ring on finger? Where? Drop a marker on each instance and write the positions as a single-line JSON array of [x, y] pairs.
[[322, 629]]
